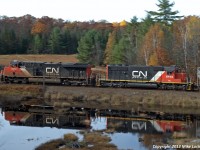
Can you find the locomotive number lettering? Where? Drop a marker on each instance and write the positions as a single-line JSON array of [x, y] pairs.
[[139, 74], [167, 76], [139, 125], [52, 70]]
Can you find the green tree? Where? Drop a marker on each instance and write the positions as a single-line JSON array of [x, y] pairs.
[[55, 41], [91, 47], [23, 45], [100, 44], [164, 14], [9, 42], [86, 46], [37, 44], [119, 51], [144, 26], [66, 42]]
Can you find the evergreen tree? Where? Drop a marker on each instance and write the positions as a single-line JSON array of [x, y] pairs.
[[99, 44], [37, 44], [118, 51], [144, 26], [23, 44], [164, 14], [55, 41], [66, 42], [90, 48], [9, 42], [86, 46]]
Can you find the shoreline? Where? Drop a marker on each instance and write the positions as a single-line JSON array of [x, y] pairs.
[[98, 97]]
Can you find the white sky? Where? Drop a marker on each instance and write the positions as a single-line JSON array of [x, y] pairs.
[[86, 10]]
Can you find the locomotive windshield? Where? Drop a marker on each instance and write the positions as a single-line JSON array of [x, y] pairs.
[[16, 63]]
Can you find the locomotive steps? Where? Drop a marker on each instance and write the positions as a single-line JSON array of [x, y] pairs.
[[64, 96]]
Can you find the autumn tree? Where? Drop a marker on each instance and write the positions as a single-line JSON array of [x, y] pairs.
[[38, 28], [109, 47], [164, 14], [142, 29], [154, 51], [187, 43]]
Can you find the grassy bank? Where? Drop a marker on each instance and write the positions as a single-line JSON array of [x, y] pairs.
[[65, 96], [122, 97]]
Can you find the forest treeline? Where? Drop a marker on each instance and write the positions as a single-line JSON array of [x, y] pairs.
[[157, 39]]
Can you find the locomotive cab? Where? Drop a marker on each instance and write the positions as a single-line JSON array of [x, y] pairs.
[[180, 74], [14, 73], [15, 63]]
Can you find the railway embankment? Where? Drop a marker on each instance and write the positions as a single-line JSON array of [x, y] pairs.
[[65, 96]]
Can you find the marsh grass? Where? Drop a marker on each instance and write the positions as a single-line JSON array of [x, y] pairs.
[[51, 145], [27, 90], [92, 140]]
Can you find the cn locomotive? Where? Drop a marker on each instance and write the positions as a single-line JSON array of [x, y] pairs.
[[65, 73], [163, 77]]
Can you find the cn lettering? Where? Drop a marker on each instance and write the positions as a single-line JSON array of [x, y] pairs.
[[52, 70], [139, 74]]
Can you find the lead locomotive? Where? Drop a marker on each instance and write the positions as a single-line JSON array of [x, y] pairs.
[[65, 73]]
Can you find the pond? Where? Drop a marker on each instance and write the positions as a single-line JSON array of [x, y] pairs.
[[26, 128]]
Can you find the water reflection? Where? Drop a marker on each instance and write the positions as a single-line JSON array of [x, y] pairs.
[[128, 129]]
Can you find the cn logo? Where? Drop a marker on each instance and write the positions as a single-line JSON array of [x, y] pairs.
[[51, 120], [50, 70], [139, 74], [139, 125]]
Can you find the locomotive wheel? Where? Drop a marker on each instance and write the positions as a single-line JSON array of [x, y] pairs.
[[26, 81], [163, 86]]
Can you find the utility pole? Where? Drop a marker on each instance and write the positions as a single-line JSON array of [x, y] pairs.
[[198, 75], [43, 79]]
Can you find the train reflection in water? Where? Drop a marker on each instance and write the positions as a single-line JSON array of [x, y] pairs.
[[120, 120], [46, 116], [150, 128], [145, 125]]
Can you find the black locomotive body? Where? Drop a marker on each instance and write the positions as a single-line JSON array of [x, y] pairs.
[[143, 76], [133, 73], [65, 73]]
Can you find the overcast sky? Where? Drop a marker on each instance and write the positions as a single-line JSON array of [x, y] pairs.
[[86, 10]]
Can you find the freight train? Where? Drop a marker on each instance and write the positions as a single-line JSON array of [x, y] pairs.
[[162, 77]]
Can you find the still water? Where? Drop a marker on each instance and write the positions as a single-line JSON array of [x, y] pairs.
[[25, 129]]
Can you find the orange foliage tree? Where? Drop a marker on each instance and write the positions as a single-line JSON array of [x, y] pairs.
[[153, 49], [38, 28], [187, 43]]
